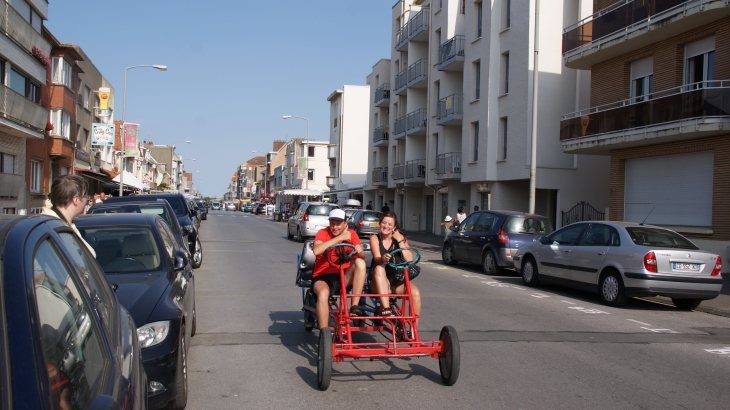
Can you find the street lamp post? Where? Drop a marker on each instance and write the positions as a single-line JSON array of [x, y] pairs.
[[306, 148], [177, 175], [124, 112]]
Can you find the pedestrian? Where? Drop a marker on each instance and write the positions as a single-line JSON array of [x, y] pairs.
[[476, 208], [385, 209], [97, 198], [460, 216], [447, 225], [67, 200], [369, 206]]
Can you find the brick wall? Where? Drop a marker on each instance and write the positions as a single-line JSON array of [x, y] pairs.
[[668, 63], [721, 178]]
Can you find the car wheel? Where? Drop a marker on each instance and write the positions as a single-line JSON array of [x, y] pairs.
[[611, 289], [181, 375], [686, 304], [489, 264], [197, 255], [194, 327], [288, 233], [450, 358], [324, 359], [529, 272], [447, 255], [300, 238]]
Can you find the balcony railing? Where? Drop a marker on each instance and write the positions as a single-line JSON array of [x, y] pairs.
[[450, 107], [449, 163], [418, 23], [10, 185], [380, 134], [415, 169], [21, 110], [12, 23], [451, 48], [380, 175], [399, 171], [703, 99], [416, 120], [401, 81], [621, 16], [399, 127], [401, 37], [418, 72], [382, 93]]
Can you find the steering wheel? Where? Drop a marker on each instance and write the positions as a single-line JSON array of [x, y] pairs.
[[340, 254], [404, 264]]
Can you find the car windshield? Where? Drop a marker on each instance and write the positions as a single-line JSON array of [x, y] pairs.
[[124, 249], [371, 216], [528, 224], [177, 204], [655, 237], [216, 204], [322, 210], [134, 209]]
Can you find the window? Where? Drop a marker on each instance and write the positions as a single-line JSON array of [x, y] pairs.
[[503, 140], [334, 123], [505, 73], [469, 223], [61, 122], [599, 235], [9, 211], [63, 170], [506, 13], [310, 174], [310, 152], [567, 235], [36, 210], [477, 78], [7, 163], [36, 174], [34, 92], [2, 71], [699, 63], [61, 71], [17, 82], [86, 95], [479, 19], [167, 238], [485, 222], [476, 142], [82, 138], [642, 79]]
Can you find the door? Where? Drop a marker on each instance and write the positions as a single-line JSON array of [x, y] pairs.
[[554, 258], [429, 213], [444, 207], [481, 236], [590, 253], [462, 242]]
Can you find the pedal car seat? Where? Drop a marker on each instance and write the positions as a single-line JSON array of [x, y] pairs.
[[306, 264]]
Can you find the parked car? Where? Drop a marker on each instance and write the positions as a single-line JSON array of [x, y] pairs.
[[64, 337], [270, 208], [185, 216], [203, 207], [194, 206], [491, 238], [247, 207], [308, 219], [155, 283], [365, 223], [260, 209], [230, 206], [618, 260], [216, 206]]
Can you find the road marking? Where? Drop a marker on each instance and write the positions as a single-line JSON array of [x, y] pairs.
[[539, 296], [589, 311], [724, 350], [636, 321], [441, 267], [659, 330], [518, 288], [426, 263], [496, 284], [565, 301], [470, 276]]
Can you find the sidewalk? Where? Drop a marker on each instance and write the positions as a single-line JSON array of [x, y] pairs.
[[719, 306]]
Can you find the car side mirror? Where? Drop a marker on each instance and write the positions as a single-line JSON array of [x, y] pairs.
[[181, 260], [544, 240], [453, 228], [193, 213], [104, 402]]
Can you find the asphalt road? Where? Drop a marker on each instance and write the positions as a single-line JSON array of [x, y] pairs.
[[521, 348]]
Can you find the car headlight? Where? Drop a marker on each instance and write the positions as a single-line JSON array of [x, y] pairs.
[[153, 334]]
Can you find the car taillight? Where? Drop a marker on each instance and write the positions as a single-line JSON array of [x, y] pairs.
[[650, 262], [305, 218], [503, 237], [361, 223], [718, 267]]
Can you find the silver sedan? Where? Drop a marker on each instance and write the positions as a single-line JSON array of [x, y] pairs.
[[618, 260]]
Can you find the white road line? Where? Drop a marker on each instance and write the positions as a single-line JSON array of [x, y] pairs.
[[518, 288], [725, 350], [636, 321], [589, 311], [565, 301], [539, 296], [659, 330]]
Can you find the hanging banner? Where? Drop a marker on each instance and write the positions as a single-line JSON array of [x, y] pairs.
[[102, 134], [160, 177], [302, 168], [131, 148]]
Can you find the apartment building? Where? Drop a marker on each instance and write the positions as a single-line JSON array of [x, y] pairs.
[[24, 56], [376, 188], [349, 112], [460, 114], [659, 110]]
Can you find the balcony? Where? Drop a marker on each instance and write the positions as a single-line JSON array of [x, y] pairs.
[[450, 110], [382, 95], [399, 171], [401, 38], [401, 82], [14, 25], [380, 136], [380, 176], [625, 26], [332, 152], [11, 185], [416, 122], [22, 111], [418, 74], [415, 170], [399, 127], [418, 25], [61, 148], [448, 166], [330, 182], [687, 112], [451, 54]]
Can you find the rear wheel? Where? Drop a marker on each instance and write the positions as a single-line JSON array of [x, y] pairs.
[[686, 304], [288, 233], [529, 272], [489, 263], [197, 255], [447, 255], [450, 357], [324, 359], [611, 289], [181, 375], [300, 238]]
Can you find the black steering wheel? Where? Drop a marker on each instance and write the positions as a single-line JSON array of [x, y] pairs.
[[404, 264], [340, 255]]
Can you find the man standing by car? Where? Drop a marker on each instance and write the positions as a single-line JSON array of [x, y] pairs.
[[67, 200], [370, 206], [326, 276]]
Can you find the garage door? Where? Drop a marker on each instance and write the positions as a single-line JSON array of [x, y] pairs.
[[677, 187]]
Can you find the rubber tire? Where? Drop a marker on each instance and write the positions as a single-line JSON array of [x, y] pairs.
[[608, 281], [300, 238], [309, 319], [686, 304], [496, 269], [181, 377], [288, 234], [450, 260], [533, 279], [324, 359], [194, 326], [450, 359], [198, 247]]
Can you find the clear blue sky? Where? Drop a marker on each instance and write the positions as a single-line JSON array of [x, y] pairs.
[[234, 68]]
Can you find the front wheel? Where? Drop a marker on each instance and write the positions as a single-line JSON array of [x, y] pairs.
[[529, 272], [450, 356], [611, 289], [197, 255], [181, 375], [447, 255], [324, 359], [300, 238], [686, 304], [288, 233], [489, 264]]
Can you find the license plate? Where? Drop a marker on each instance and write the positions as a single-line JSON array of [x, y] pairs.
[[686, 266], [373, 224]]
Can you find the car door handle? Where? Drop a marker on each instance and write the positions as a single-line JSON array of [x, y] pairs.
[[601, 253], [567, 251], [482, 237]]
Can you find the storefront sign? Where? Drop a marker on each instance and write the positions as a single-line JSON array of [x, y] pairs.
[[483, 187], [131, 148], [102, 134], [443, 190]]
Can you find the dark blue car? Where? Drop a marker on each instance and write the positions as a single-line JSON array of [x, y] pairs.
[[491, 238], [65, 340]]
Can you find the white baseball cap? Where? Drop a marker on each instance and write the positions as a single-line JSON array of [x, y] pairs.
[[447, 219], [337, 214]]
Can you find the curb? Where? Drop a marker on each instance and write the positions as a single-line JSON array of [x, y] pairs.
[[713, 311]]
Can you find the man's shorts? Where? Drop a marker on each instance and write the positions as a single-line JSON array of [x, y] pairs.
[[332, 280]]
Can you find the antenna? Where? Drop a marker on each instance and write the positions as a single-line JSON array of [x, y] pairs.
[[647, 216]]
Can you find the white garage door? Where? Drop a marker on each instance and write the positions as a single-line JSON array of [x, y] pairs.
[[678, 188]]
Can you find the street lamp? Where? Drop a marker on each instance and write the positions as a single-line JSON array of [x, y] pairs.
[[124, 112], [306, 148]]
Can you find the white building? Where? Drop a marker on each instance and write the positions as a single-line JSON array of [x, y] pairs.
[[459, 114], [349, 109]]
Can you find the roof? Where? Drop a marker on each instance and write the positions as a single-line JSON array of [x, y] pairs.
[[115, 219]]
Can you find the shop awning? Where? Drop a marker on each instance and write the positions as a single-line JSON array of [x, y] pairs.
[[302, 192], [131, 181], [95, 175]]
